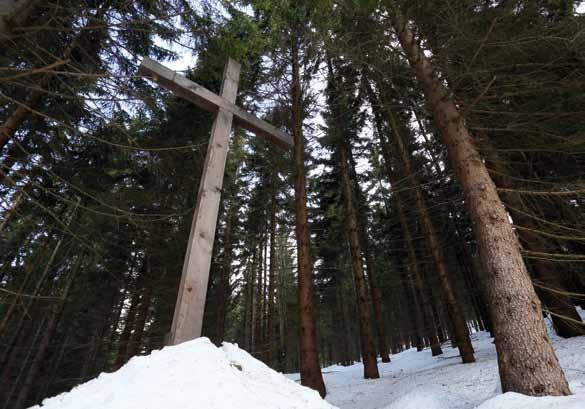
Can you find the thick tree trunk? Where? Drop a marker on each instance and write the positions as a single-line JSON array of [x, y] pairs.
[[526, 359], [351, 226], [549, 283], [309, 364]]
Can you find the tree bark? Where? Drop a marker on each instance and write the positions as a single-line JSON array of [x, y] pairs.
[[375, 292], [429, 323], [549, 285], [430, 328], [272, 277], [224, 280], [259, 302], [527, 362], [344, 335], [309, 360], [351, 225], [446, 281]]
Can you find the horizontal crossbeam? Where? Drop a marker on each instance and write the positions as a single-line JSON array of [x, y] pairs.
[[207, 100]]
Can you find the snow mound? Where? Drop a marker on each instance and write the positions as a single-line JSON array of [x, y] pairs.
[[421, 399], [511, 400], [192, 375]]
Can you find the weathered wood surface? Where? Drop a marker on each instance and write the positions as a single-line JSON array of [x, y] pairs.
[[188, 317], [189, 309], [205, 99]]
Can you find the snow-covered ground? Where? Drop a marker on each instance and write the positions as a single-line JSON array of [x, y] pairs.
[[416, 380], [193, 375], [198, 375]]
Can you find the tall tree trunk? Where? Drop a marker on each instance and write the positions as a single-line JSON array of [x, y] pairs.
[[415, 318], [135, 341], [44, 391], [429, 322], [351, 225], [344, 327], [122, 357], [272, 277], [105, 343], [549, 284], [472, 268], [309, 360], [56, 311], [19, 363], [224, 280], [249, 306], [430, 328], [259, 302], [29, 303], [375, 292], [446, 279], [527, 362]]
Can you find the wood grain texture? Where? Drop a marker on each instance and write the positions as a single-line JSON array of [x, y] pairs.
[[188, 317], [205, 99]]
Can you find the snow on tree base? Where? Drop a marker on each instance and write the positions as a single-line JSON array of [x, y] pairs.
[[417, 380], [513, 400], [426, 399], [192, 375]]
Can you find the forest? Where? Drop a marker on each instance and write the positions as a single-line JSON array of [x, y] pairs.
[[434, 192]]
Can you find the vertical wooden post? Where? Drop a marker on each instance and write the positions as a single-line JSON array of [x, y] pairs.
[[188, 317]]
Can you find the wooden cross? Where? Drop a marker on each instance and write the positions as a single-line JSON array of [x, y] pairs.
[[188, 317]]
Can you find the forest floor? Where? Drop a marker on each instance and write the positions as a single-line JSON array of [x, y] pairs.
[[418, 380], [197, 375]]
